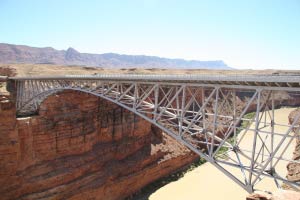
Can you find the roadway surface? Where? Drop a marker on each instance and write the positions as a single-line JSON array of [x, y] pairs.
[[251, 80]]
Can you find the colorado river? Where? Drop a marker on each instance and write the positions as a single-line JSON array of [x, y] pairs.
[[206, 182]]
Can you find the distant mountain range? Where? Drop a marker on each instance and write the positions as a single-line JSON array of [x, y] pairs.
[[25, 54]]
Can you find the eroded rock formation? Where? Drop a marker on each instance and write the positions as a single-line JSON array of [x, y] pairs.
[[294, 168], [278, 195], [82, 147], [293, 172]]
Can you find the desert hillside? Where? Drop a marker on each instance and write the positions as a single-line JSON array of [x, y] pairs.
[[25, 54]]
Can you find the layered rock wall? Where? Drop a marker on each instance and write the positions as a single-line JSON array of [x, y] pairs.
[[82, 147], [294, 168]]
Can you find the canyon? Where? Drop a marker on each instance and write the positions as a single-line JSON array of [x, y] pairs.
[[293, 171], [80, 146]]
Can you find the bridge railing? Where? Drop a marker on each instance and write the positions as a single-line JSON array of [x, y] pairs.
[[287, 81], [196, 77]]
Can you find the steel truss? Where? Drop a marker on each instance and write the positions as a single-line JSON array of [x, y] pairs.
[[206, 118]]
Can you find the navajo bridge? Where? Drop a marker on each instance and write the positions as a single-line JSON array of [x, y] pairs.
[[213, 115]]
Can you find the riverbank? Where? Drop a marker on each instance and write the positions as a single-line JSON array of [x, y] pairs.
[[206, 182]]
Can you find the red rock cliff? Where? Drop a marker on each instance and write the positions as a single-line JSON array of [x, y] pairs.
[[82, 147], [294, 168]]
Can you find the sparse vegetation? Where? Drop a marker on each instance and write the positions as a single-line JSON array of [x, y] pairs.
[[47, 69], [244, 124]]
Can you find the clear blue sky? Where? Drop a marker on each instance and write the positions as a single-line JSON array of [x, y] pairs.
[[244, 33]]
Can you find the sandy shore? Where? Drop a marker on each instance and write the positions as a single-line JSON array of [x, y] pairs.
[[206, 182]]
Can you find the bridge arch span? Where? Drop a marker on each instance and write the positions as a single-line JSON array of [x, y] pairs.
[[194, 114]]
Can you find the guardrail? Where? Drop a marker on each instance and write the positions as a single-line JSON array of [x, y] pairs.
[[186, 77]]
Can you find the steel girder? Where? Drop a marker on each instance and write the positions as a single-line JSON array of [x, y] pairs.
[[211, 119]]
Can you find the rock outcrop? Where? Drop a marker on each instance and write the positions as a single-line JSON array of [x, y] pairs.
[[294, 168], [82, 147], [278, 195]]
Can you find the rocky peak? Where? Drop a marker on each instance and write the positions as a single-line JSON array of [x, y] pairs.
[[72, 54]]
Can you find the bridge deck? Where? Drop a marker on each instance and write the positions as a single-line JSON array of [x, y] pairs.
[[251, 80]]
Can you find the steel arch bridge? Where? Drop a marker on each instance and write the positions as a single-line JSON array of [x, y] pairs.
[[209, 114]]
